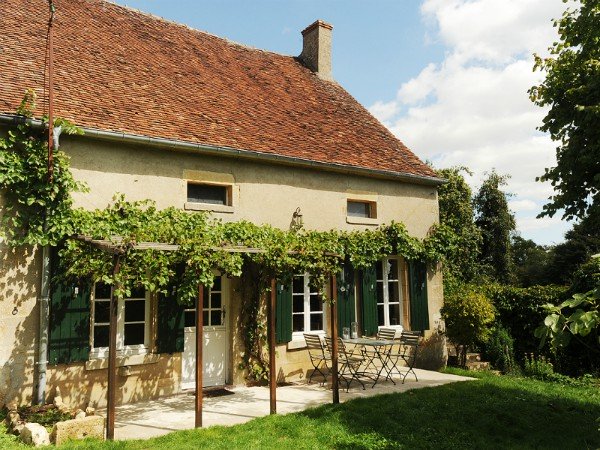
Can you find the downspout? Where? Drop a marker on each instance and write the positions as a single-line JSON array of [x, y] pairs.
[[44, 304]]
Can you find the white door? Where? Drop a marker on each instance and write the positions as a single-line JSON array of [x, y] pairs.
[[216, 348]]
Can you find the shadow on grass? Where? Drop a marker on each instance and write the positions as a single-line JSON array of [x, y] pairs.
[[483, 414]]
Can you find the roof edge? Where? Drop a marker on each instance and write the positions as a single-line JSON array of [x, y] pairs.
[[240, 153]]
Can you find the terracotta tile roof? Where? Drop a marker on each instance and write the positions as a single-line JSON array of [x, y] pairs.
[[118, 69]]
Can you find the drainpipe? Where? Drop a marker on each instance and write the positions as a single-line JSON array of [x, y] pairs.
[[44, 303]]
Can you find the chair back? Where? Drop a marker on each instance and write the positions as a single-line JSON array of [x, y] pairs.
[[386, 334], [313, 343], [410, 338], [341, 345]]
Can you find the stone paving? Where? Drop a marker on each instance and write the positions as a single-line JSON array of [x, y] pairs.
[[147, 419]]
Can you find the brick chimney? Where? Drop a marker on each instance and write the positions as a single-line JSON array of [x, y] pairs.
[[316, 49]]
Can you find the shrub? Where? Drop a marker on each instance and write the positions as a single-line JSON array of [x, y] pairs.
[[538, 367], [520, 311], [468, 315], [499, 350]]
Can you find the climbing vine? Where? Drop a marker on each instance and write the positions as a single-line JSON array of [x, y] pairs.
[[37, 212]]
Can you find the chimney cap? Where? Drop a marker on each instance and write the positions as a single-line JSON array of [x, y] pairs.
[[315, 24]]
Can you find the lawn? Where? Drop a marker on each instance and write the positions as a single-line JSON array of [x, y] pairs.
[[492, 412]]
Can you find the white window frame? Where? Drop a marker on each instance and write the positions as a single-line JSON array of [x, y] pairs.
[[299, 335], [385, 280], [122, 349], [211, 291]]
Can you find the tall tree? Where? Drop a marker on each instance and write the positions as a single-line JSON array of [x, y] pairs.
[[456, 211], [530, 262], [572, 91], [496, 223]]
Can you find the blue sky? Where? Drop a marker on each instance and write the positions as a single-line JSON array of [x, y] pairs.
[[448, 77]]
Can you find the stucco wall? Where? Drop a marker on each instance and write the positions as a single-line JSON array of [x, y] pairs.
[[262, 194]]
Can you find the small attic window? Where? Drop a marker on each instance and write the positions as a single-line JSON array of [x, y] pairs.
[[362, 209], [212, 194]]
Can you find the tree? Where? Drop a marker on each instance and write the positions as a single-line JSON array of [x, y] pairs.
[[572, 91], [456, 211], [496, 223], [530, 262], [581, 242]]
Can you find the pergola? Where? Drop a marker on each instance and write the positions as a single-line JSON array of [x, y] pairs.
[[119, 249]]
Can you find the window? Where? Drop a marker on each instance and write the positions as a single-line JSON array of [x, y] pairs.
[[132, 321], [362, 209], [213, 194], [214, 313], [389, 292], [307, 307]]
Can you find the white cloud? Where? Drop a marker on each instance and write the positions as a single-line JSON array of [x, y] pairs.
[[473, 109]]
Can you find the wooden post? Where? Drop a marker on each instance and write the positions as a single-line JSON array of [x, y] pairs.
[[112, 353], [199, 345], [335, 385], [271, 305]]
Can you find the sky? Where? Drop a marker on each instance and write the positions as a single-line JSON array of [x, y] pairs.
[[448, 77]]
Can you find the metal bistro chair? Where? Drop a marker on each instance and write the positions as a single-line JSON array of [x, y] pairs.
[[383, 334], [319, 357], [348, 363], [406, 353]]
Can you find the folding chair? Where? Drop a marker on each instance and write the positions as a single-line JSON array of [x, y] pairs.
[[318, 355], [383, 334], [348, 363], [406, 353]]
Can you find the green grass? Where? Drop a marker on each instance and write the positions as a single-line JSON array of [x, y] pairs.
[[492, 412]]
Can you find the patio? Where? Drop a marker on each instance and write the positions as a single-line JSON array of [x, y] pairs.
[[157, 417]]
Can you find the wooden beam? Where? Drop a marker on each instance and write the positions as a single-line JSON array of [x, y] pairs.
[[271, 305], [112, 354], [335, 385], [199, 347]]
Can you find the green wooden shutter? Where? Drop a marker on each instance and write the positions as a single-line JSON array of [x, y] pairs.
[[369, 301], [69, 333], [170, 321], [346, 309], [419, 310], [283, 314]]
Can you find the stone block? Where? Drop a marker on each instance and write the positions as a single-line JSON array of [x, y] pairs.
[[35, 434], [87, 427]]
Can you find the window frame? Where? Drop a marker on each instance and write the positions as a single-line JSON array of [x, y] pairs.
[[213, 207], [385, 280], [371, 219], [210, 309], [307, 292], [122, 349]]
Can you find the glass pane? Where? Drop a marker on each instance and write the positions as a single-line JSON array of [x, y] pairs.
[[379, 292], [206, 193], [190, 318], [102, 290], [394, 291], [316, 322], [393, 269], [315, 303], [298, 303], [205, 299], [298, 322], [359, 209], [394, 314], [217, 284], [101, 311], [379, 270], [135, 310], [205, 319], [215, 301], [134, 333], [138, 292], [380, 316], [100, 336], [215, 318], [298, 285]]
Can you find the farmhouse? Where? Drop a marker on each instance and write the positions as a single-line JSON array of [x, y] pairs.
[[194, 121]]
